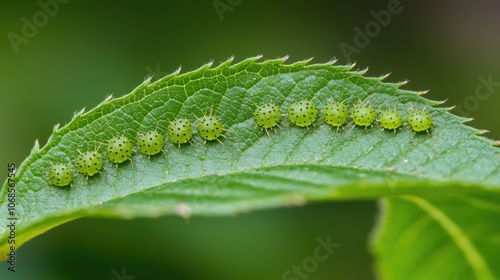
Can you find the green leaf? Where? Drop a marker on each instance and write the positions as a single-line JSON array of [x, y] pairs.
[[449, 237], [250, 169]]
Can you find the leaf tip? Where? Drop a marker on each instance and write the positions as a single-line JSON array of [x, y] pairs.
[[108, 98], [251, 59], [207, 65], [78, 113], [36, 147], [177, 71], [283, 59], [383, 77], [278, 61], [225, 63], [402, 83], [442, 102], [148, 79], [482, 131], [332, 61], [301, 62]]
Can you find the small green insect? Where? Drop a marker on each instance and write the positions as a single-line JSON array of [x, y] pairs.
[[335, 114], [302, 113], [267, 116], [150, 143], [180, 131], [363, 115], [90, 163], [119, 149], [419, 120], [60, 175], [210, 128], [391, 119]]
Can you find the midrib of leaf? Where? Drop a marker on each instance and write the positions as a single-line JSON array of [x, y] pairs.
[[470, 252], [419, 161]]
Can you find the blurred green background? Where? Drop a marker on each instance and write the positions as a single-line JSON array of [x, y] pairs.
[[89, 49]]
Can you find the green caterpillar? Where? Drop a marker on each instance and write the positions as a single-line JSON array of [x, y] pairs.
[[302, 113]]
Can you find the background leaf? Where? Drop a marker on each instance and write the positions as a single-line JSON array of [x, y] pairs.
[[447, 237]]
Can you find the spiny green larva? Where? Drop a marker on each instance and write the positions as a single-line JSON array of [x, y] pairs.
[[419, 120], [391, 119], [363, 114], [90, 163], [180, 131], [60, 175], [302, 113], [150, 143], [119, 149], [267, 115], [210, 128], [335, 114]]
